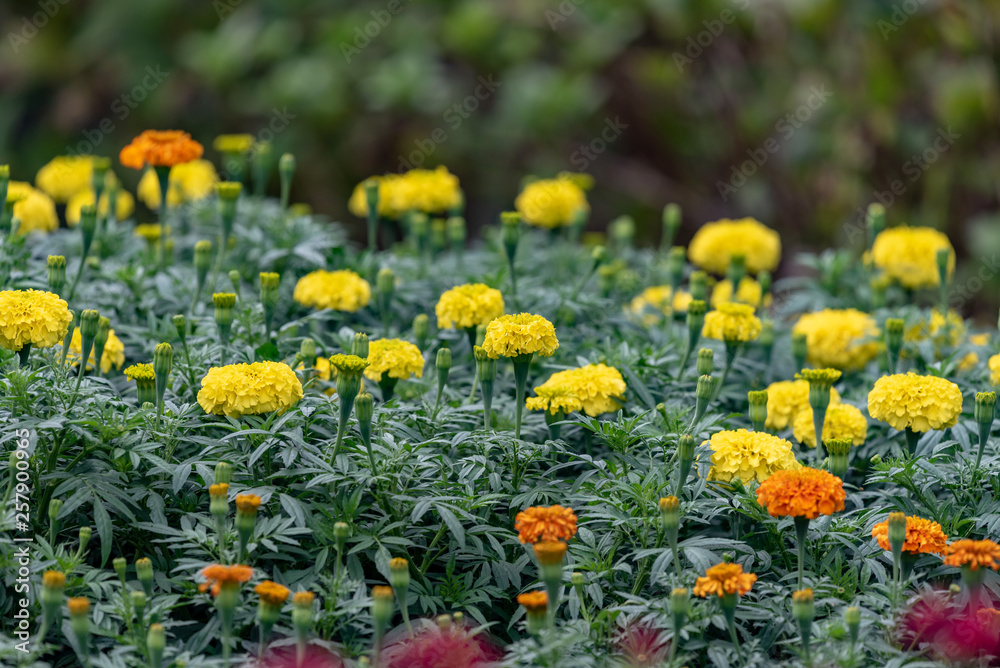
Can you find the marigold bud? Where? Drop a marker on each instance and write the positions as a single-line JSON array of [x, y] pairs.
[[55, 505], [676, 262], [385, 281], [421, 329], [698, 285], [685, 459], [897, 533], [399, 574], [341, 532], [57, 273], [382, 607], [443, 361], [670, 512], [360, 345], [156, 642], [706, 361], [510, 234], [705, 388], [758, 408], [144, 571], [202, 258], [985, 412], [671, 219], [680, 601], [121, 567], [577, 579], [85, 534], [223, 473], [852, 617]]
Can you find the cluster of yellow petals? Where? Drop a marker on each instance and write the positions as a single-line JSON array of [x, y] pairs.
[[732, 322], [943, 330], [33, 317], [395, 357], [908, 255], [521, 334], [218, 576], [534, 602], [187, 182], [919, 402], [545, 523], [65, 175], [842, 421], [160, 148], [272, 593], [973, 554], [994, 364], [839, 338], [724, 580], [922, 536], [249, 389], [749, 455], [341, 290], [124, 205], [427, 190], [247, 503], [597, 388], [654, 303], [468, 305], [805, 492], [238, 143], [114, 352], [35, 211], [54, 579], [786, 399], [140, 371], [554, 399], [715, 244], [748, 291], [551, 203]]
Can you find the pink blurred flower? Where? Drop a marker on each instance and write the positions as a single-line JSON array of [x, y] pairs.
[[950, 629], [643, 646], [449, 645], [285, 657]]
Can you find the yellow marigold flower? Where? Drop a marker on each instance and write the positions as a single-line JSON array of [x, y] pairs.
[[54, 579], [839, 338], [400, 359], [786, 399], [974, 554], [522, 334], [32, 317], [596, 387], [341, 290], [714, 245], [554, 398], [247, 503], [303, 599], [732, 322], [968, 361], [427, 190], [239, 143], [160, 148], [534, 601], [980, 339], [124, 205], [724, 579], [78, 605], [748, 291], [994, 364], [748, 455], [151, 232], [219, 490], [188, 182], [842, 421], [545, 523], [387, 200], [272, 593], [655, 303], [34, 209], [468, 305], [944, 331], [922, 536], [114, 352], [919, 402], [65, 175], [218, 576], [249, 389], [551, 203], [804, 492], [909, 255], [140, 371]]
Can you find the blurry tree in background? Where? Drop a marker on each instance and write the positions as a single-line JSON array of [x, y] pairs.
[[797, 112]]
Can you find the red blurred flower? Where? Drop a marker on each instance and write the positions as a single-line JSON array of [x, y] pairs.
[[950, 629], [643, 646], [285, 657], [447, 645]]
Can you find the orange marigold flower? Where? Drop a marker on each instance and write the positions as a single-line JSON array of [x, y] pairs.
[[534, 601], [247, 503], [973, 553], [160, 148], [78, 605], [272, 593], [545, 523], [723, 579], [805, 492], [219, 489], [922, 536], [54, 579], [550, 552], [218, 576], [303, 599]]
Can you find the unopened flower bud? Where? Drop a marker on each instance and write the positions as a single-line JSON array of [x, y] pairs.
[[671, 219], [156, 643], [144, 571], [839, 450], [852, 617], [487, 365], [758, 408], [800, 348], [180, 324], [223, 473], [680, 603], [360, 345], [399, 575], [139, 601], [622, 231], [382, 608], [55, 505], [57, 273], [364, 409], [510, 222], [202, 259], [85, 534], [685, 459], [897, 533], [385, 282], [670, 512], [577, 579], [875, 220], [698, 285], [737, 269], [893, 340], [218, 500], [676, 262], [341, 532], [944, 261], [704, 389], [421, 329], [121, 567]]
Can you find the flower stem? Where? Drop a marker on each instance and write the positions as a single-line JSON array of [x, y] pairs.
[[801, 536]]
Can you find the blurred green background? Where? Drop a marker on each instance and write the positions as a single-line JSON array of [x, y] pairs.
[[822, 103]]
